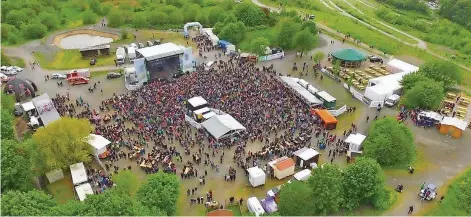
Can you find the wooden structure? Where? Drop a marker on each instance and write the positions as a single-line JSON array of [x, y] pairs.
[[282, 167], [100, 50], [452, 126], [349, 58]]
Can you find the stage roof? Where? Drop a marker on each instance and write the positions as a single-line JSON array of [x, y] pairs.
[[219, 125], [160, 51]]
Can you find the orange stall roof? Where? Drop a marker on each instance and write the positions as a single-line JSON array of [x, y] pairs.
[[324, 115]]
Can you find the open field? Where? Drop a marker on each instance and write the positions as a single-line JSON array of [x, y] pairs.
[[71, 59]]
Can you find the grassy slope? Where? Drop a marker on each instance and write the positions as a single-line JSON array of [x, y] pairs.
[[71, 59]]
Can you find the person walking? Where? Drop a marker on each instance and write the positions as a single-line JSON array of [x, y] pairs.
[[411, 209], [367, 119], [441, 199]]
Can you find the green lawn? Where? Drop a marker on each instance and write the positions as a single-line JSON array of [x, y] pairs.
[[62, 190], [71, 59]]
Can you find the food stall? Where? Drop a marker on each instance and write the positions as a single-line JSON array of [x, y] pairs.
[[256, 176], [282, 167], [328, 120], [99, 144], [303, 175], [306, 156]]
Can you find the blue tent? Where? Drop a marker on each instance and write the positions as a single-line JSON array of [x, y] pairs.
[[223, 44]]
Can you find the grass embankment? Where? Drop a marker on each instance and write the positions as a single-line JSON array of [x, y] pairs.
[[457, 197], [71, 59]]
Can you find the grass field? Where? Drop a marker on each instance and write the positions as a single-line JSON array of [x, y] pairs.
[[17, 62], [62, 190], [71, 59]]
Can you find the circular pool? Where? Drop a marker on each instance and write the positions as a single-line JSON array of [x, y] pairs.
[[79, 39]]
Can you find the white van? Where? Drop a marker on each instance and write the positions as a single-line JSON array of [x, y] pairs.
[[392, 100], [208, 65], [8, 70], [254, 206]]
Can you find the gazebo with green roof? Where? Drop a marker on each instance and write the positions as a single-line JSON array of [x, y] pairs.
[[349, 57]]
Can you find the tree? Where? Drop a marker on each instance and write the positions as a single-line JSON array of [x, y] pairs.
[[140, 20], [326, 201], [191, 11], [63, 142], [115, 18], [410, 80], [249, 14], [214, 15], [126, 183], [363, 180], [336, 67], [309, 25], [296, 200], [16, 167], [202, 18], [258, 45], [124, 33], [286, 36], [318, 56], [95, 6], [34, 30], [176, 17], [158, 18], [31, 203], [8, 130], [233, 32], [88, 17], [305, 41], [442, 71], [49, 20], [426, 94], [16, 17], [160, 192], [390, 143]]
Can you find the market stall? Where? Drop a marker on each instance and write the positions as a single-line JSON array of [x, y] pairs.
[[256, 176], [83, 190], [282, 167], [428, 118], [327, 100], [303, 175], [99, 144], [79, 174], [354, 141], [328, 120], [305, 156], [269, 204], [452, 126]]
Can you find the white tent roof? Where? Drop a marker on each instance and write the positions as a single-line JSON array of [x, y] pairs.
[[396, 65], [160, 51], [303, 175], [27, 106], [209, 115], [197, 101], [355, 139], [79, 174], [306, 153], [82, 191], [46, 110], [255, 172], [432, 115], [97, 141], [460, 124], [219, 125], [326, 96], [307, 96], [201, 110]]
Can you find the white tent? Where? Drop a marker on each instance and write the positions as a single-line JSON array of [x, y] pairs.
[[98, 143], [303, 175], [326, 96], [209, 115], [78, 172], [460, 124], [197, 101], [396, 66], [378, 92], [220, 126], [159, 51], [306, 95], [355, 141], [83, 190], [45, 108], [201, 111], [254, 206], [256, 176], [28, 106], [306, 156]]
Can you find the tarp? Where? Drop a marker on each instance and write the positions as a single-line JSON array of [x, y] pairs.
[[269, 205], [46, 110], [197, 101], [220, 125], [256, 176], [306, 153], [460, 124], [432, 115], [160, 51], [325, 116], [83, 190], [98, 142], [303, 175], [78, 172], [349, 54], [27, 106], [201, 110], [223, 44], [209, 115]]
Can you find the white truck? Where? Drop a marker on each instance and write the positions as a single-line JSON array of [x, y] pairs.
[[131, 54], [120, 55]]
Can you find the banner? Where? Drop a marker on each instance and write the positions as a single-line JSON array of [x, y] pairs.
[[271, 57], [339, 111]]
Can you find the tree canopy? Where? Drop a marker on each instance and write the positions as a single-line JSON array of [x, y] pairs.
[[390, 143], [363, 181], [31, 203], [160, 193], [457, 10], [326, 201], [249, 14], [63, 142], [426, 94], [442, 71], [233, 32], [296, 200], [258, 45], [309, 25], [287, 33], [126, 183], [318, 56], [16, 167], [305, 41]]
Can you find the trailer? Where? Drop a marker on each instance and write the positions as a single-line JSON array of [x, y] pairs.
[[120, 55], [79, 73], [131, 54]]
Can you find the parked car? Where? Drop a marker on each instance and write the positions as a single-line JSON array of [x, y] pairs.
[[8, 70], [141, 45], [4, 78], [134, 45], [156, 42], [17, 68], [149, 43], [58, 76], [112, 75], [18, 110], [375, 59], [93, 61], [311, 17]]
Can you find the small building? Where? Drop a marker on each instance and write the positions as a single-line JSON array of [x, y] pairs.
[[328, 120], [306, 156], [83, 190], [94, 51], [354, 141], [79, 174], [327, 100], [256, 176], [349, 57], [452, 126], [282, 167]]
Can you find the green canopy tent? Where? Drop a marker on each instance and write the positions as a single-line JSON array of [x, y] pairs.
[[349, 57]]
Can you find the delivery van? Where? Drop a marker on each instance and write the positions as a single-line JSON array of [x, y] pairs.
[[208, 65], [392, 100]]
